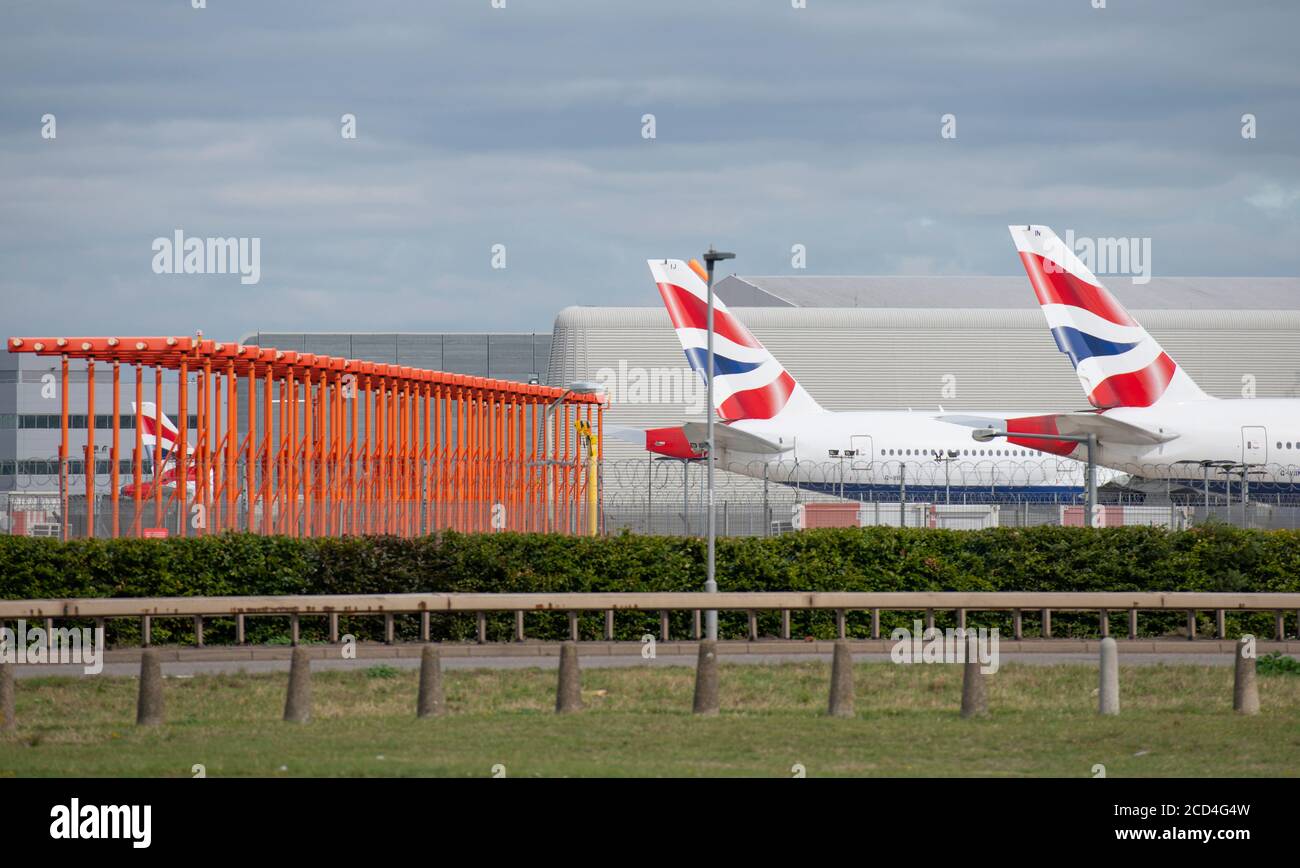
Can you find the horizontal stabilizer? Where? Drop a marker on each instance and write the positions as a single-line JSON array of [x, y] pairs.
[[687, 440], [1106, 429]]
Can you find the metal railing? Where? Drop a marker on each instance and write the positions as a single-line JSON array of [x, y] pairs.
[[961, 603]]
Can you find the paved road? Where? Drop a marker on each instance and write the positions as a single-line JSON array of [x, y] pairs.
[[190, 668]]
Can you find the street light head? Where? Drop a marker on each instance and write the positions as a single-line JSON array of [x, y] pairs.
[[711, 256], [585, 387], [984, 435]]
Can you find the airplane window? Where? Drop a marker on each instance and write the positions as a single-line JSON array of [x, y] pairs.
[[1288, 445], [1279, 444]]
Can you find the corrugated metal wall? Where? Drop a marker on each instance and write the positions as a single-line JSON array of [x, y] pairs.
[[891, 359]]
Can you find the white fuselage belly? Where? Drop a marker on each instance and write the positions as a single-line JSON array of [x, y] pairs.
[[1242, 432], [892, 449]]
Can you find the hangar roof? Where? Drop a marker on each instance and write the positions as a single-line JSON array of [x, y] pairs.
[[953, 291]]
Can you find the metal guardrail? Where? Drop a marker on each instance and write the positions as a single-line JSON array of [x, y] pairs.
[[841, 602]]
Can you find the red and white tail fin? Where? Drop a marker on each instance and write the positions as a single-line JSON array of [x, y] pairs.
[[1118, 363], [748, 381], [149, 420]]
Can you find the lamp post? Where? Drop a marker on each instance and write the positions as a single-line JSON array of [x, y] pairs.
[[711, 256], [984, 435], [578, 387]]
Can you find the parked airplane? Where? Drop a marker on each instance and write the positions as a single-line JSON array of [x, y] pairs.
[[154, 427], [771, 428], [1152, 421]]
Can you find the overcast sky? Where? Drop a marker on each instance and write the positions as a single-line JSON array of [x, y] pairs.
[[522, 126]]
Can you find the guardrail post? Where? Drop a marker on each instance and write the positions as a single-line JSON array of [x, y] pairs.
[[8, 723], [1108, 694], [841, 702], [961, 619], [388, 628], [568, 694], [1132, 623], [875, 623], [1279, 626], [1016, 627], [753, 625], [1220, 625], [785, 623], [1104, 616], [609, 625], [297, 700], [663, 626], [706, 679], [293, 629], [573, 626], [974, 698], [239, 630], [929, 619], [146, 631], [1245, 690], [425, 626], [839, 624], [430, 702], [482, 627], [695, 627], [1047, 623], [1191, 624], [198, 631], [519, 625], [149, 704]]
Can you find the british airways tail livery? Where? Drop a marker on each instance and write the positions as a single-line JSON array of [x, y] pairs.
[[771, 428], [1118, 363], [748, 382], [1152, 421]]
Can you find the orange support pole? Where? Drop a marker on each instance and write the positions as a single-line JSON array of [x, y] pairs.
[[250, 463], [309, 457], [137, 457], [182, 459], [114, 474], [88, 465], [265, 461], [64, 482], [159, 520], [232, 435]]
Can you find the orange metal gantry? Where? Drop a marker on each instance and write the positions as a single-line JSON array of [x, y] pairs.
[[368, 448]]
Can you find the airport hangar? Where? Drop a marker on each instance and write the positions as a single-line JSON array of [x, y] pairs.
[[966, 343], [918, 343]]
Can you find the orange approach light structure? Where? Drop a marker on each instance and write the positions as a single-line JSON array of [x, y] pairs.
[[369, 448]]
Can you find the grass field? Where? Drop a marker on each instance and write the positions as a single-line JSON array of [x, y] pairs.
[[1177, 720]]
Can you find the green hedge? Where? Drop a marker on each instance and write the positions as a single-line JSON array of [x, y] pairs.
[[1213, 558]]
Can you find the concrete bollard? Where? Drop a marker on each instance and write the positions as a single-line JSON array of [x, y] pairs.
[[1245, 689], [706, 678], [297, 703], [431, 702], [149, 706], [8, 720], [974, 699], [1108, 692], [568, 694], [841, 704]]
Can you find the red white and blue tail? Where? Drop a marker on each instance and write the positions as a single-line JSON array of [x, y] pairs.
[[1118, 363], [748, 382], [154, 424]]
